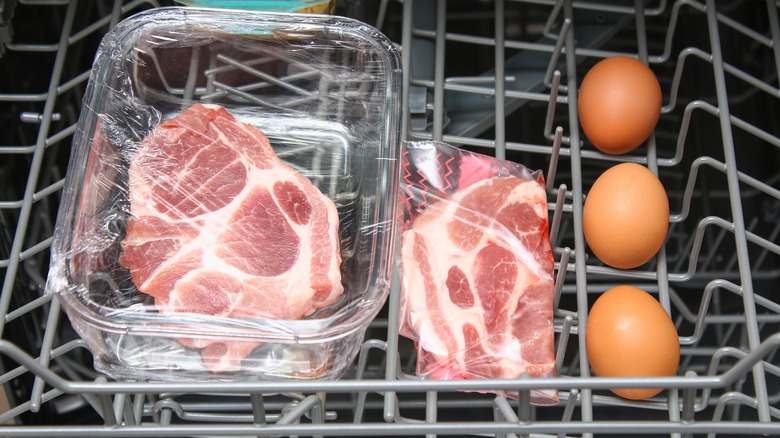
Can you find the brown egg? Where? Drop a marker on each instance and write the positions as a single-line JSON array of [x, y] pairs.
[[619, 104], [629, 334], [626, 216]]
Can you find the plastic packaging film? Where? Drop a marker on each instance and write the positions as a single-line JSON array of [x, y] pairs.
[[476, 266], [228, 209]]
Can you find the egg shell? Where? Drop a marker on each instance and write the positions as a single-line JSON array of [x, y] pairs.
[[626, 216], [629, 334], [619, 104]]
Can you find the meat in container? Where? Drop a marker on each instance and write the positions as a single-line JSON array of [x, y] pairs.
[[228, 210]]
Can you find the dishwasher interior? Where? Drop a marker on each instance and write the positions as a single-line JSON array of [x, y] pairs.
[[494, 77]]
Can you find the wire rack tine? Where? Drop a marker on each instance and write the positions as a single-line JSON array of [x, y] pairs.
[[736, 209], [577, 193]]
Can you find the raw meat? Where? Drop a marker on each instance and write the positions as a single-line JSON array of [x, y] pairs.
[[221, 226], [477, 283]]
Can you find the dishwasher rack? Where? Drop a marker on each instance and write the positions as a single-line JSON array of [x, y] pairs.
[[499, 78]]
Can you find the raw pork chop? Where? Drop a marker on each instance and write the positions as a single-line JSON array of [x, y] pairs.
[[221, 226], [477, 282]]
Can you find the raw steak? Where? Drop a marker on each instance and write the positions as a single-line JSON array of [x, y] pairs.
[[221, 226], [477, 284]]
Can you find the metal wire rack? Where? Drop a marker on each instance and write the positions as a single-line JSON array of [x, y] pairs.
[[497, 77]]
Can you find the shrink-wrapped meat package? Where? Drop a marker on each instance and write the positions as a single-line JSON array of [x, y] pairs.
[[229, 206], [476, 267]]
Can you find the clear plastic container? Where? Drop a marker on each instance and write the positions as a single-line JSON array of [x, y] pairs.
[[323, 89]]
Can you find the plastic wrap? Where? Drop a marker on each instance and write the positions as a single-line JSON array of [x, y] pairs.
[[476, 266], [323, 90]]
